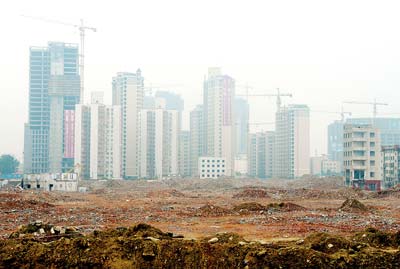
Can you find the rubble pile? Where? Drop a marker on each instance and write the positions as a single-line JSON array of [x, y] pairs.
[[252, 193], [249, 207], [353, 205], [165, 193], [143, 246], [209, 210], [46, 232]]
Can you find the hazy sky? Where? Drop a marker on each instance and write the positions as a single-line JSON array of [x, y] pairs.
[[323, 52]]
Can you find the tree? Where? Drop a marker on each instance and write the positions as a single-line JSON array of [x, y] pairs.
[[8, 164]]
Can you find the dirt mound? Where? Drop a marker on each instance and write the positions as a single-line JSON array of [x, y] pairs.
[[212, 211], [165, 194], [353, 205], [249, 207], [143, 246], [44, 232], [225, 238], [252, 193], [327, 243], [286, 207], [377, 238], [392, 192]]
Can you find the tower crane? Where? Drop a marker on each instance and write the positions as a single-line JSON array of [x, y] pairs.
[[278, 96], [82, 29], [375, 105], [341, 113]]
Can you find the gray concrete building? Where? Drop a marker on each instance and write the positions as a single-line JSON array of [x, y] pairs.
[[54, 90], [390, 170], [197, 139], [260, 155]]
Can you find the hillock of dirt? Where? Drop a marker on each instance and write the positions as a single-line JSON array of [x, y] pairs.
[[143, 246], [249, 207], [209, 210], [353, 205], [285, 206], [252, 193], [165, 193]]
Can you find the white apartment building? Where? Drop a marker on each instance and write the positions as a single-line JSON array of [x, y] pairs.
[[212, 167], [159, 138], [361, 153], [128, 93], [219, 94], [98, 140], [390, 169], [292, 142], [260, 154]]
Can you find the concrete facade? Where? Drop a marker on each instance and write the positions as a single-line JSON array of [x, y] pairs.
[[128, 93], [361, 155], [54, 89], [390, 170], [212, 167], [197, 139], [292, 142], [219, 117], [261, 154], [159, 139]]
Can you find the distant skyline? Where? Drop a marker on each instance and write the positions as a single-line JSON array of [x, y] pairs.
[[323, 53]]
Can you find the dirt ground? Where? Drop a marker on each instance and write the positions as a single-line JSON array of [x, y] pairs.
[[256, 211]]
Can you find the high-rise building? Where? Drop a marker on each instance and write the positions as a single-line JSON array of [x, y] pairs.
[[128, 93], [197, 139], [260, 154], [98, 140], [54, 90], [173, 101], [82, 140], [361, 154], [184, 154], [159, 135], [292, 142], [219, 118], [335, 141], [390, 172], [242, 125]]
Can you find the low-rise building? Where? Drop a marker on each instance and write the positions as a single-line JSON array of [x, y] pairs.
[[212, 167], [390, 166], [67, 182], [361, 144]]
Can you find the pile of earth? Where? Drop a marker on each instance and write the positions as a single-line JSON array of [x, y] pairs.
[[169, 193], [143, 246], [44, 232], [353, 205], [392, 192], [272, 207], [209, 210], [251, 193]]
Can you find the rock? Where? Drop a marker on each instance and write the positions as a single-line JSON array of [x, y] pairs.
[[213, 240], [152, 239], [41, 231], [330, 246]]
